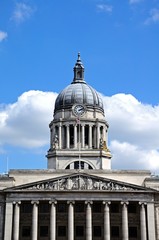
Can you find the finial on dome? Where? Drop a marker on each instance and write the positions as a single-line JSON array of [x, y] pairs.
[[79, 57], [78, 70]]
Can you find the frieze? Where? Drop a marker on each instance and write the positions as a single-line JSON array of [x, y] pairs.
[[79, 182]]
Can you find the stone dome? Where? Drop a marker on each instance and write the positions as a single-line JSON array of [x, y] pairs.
[[78, 92]]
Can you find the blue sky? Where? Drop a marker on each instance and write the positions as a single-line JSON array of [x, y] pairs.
[[118, 41]]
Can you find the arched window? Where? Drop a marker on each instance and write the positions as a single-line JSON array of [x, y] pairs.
[[79, 165]]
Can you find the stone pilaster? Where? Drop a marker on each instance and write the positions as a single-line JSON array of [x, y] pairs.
[[8, 221], [151, 221]]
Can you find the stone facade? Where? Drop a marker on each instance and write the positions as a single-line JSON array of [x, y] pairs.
[[79, 196]]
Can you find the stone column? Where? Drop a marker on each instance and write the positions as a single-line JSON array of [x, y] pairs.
[[53, 220], [143, 221], [70, 220], [125, 229], [88, 220], [106, 220], [8, 221], [98, 135], [75, 136], [35, 220], [83, 135], [60, 136], [16, 220], [90, 136], [68, 136]]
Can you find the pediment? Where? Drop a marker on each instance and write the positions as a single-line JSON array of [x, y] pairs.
[[81, 182]]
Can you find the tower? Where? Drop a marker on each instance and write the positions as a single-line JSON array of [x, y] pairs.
[[78, 131]]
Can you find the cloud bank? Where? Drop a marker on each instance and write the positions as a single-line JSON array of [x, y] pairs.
[[133, 132]]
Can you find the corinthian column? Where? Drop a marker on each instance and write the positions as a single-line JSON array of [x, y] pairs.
[[90, 136], [143, 221], [16, 220], [98, 135], [60, 136], [125, 230], [75, 136], [70, 220], [35, 220], [88, 220], [53, 220], [83, 135], [68, 136], [106, 220]]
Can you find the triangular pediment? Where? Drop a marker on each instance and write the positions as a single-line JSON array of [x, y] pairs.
[[79, 181]]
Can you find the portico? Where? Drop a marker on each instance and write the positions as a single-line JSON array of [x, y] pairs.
[[72, 210]]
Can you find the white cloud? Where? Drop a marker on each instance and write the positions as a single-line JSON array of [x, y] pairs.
[[25, 123], [133, 132], [154, 17], [22, 12], [135, 1], [3, 36], [105, 8]]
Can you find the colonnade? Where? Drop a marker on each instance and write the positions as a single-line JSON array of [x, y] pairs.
[[77, 133], [71, 220]]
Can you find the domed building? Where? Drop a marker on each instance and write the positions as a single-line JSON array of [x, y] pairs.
[[79, 196], [79, 129]]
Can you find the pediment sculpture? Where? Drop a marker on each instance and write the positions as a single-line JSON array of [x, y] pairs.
[[79, 182]]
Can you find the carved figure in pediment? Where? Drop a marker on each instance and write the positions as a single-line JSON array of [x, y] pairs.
[[69, 184], [89, 183]]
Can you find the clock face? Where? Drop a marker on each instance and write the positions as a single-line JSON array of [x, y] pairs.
[[79, 110]]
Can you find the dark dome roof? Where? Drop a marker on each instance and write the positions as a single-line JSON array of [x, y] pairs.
[[78, 92]]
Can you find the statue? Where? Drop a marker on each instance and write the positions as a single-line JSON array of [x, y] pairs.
[[55, 144]]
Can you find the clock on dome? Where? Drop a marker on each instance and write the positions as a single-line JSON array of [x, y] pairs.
[[79, 110]]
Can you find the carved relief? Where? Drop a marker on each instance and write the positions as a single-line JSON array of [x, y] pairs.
[[80, 182]]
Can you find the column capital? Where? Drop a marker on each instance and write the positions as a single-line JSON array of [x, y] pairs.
[[35, 202], [53, 202], [124, 202], [59, 124], [106, 202], [89, 202], [142, 203], [70, 202], [17, 202]]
